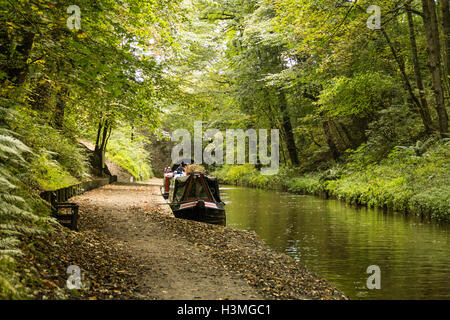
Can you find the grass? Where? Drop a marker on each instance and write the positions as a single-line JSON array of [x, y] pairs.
[[50, 175]]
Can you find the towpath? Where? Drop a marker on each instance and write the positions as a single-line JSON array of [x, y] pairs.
[[131, 247]]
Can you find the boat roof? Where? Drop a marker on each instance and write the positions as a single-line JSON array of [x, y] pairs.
[[211, 183], [204, 175]]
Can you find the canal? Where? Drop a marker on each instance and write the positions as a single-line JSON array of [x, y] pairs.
[[339, 242]]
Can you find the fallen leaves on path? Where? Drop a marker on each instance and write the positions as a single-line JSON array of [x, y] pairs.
[[116, 255]]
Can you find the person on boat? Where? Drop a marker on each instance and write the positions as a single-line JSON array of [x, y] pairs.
[[181, 172]]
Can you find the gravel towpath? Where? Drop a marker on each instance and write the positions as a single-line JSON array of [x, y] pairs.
[[169, 266], [131, 247]]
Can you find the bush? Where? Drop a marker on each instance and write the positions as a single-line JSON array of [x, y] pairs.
[[247, 175], [58, 159], [49, 174], [130, 154], [20, 211], [434, 202], [412, 179], [308, 184]]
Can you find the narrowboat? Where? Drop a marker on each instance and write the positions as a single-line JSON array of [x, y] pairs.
[[165, 189], [196, 197], [171, 172]]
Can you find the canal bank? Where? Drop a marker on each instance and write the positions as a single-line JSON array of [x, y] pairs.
[[407, 182], [339, 241], [131, 247]]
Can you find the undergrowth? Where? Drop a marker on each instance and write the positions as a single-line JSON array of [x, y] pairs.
[[411, 179], [130, 154]]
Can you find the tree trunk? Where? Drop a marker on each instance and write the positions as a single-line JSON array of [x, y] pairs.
[[342, 138], [434, 62], [445, 22], [282, 146], [103, 134], [349, 136], [334, 150], [60, 108], [287, 127], [16, 66], [445, 26], [99, 132], [40, 97], [423, 108]]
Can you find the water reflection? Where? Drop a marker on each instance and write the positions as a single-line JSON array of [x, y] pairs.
[[339, 242]]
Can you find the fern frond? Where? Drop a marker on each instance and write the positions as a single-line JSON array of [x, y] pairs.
[[7, 287], [13, 212], [13, 143], [9, 243], [9, 227], [13, 199], [11, 252], [9, 233], [5, 184]]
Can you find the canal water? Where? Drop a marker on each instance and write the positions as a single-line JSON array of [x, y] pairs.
[[339, 242]]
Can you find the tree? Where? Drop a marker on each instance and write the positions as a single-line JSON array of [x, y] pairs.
[[423, 105], [65, 82], [434, 62], [445, 23]]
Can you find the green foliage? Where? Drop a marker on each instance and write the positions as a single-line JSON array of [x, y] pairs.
[[57, 83], [393, 126], [20, 212], [58, 160], [130, 154], [419, 148], [49, 174], [307, 184], [360, 95], [8, 279], [246, 175], [235, 174], [434, 202], [15, 212], [404, 182]]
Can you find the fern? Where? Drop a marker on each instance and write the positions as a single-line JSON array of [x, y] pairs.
[[419, 148], [16, 215], [7, 289]]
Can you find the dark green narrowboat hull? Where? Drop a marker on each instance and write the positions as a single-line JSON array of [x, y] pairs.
[[201, 214]]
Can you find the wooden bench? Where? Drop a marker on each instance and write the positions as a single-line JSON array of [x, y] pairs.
[[59, 205], [70, 219]]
